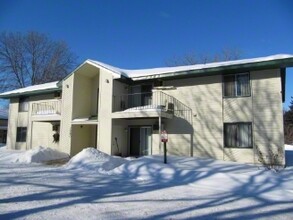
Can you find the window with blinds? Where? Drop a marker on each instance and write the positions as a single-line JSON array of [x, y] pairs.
[[237, 85], [238, 135]]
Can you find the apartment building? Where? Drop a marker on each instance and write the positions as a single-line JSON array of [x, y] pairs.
[[226, 110]]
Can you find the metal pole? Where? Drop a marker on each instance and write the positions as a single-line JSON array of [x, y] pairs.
[[160, 130], [165, 152]]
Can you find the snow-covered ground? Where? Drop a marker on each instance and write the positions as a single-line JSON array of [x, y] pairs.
[[93, 185], [37, 155]]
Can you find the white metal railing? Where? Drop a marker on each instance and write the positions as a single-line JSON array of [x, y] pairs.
[[151, 100], [47, 108]]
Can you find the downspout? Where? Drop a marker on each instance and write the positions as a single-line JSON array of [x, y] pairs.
[[160, 130]]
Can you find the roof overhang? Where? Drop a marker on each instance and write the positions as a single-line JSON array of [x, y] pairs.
[[278, 63], [29, 93], [116, 74]]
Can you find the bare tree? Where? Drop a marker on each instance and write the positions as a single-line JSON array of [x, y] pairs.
[[32, 58], [193, 58]]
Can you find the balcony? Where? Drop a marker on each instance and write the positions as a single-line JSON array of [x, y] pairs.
[[47, 110], [146, 105]]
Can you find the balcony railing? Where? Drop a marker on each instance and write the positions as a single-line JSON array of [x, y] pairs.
[[156, 100], [47, 108]]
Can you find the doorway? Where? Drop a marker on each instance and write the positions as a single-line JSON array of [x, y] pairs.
[[140, 140]]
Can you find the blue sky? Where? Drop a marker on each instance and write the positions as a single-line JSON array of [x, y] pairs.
[[147, 33]]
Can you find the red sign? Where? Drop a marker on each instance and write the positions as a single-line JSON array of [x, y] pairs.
[[164, 136]]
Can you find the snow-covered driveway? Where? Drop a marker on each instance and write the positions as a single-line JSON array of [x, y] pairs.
[[144, 188]]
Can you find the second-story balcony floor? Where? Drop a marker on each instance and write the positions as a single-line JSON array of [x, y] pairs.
[[46, 110]]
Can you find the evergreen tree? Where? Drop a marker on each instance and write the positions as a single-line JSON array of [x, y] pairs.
[[288, 124]]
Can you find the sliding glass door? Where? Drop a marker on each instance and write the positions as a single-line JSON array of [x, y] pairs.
[[140, 141]]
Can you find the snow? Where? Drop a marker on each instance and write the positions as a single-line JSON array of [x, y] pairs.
[[145, 108], [92, 159], [87, 120], [36, 155], [45, 86], [163, 70], [144, 188]]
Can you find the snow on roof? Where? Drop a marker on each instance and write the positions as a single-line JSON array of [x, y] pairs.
[[140, 73], [163, 70], [108, 67], [30, 89]]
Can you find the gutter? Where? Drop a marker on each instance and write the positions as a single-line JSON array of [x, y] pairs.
[[282, 63], [36, 92]]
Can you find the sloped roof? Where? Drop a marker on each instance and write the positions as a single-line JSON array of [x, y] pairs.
[[161, 71], [42, 88], [279, 60]]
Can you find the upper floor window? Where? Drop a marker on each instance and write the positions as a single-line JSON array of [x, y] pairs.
[[23, 104], [237, 85]]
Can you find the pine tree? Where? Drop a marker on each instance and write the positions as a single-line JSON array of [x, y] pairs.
[[288, 124]]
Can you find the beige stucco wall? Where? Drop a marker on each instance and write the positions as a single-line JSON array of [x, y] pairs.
[[120, 130], [66, 113], [42, 135], [12, 123], [79, 101], [202, 137], [82, 93], [267, 112], [23, 119], [105, 111], [210, 111], [264, 110], [82, 137], [95, 81], [237, 109]]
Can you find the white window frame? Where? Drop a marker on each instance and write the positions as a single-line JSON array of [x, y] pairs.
[[236, 85]]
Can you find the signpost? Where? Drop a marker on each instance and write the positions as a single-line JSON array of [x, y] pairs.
[[164, 138]]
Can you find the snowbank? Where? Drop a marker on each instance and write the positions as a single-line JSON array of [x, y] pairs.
[[36, 155], [93, 159], [288, 147], [146, 168], [41, 154]]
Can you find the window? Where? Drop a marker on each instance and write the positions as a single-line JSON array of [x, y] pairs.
[[237, 85], [238, 135], [57, 95], [23, 104], [21, 134]]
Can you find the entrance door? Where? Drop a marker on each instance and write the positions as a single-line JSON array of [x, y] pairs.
[[140, 141]]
